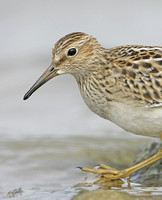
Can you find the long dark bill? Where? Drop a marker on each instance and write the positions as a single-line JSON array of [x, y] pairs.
[[46, 76]]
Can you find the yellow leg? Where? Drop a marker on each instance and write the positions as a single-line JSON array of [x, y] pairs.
[[111, 173], [127, 172]]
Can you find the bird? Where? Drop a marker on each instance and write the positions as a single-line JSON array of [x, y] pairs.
[[122, 84]]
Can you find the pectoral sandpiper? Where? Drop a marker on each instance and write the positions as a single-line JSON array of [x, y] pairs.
[[121, 84]]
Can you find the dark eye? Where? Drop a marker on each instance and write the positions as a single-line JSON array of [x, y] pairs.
[[72, 52]]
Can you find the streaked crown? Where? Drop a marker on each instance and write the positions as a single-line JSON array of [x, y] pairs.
[[73, 52]]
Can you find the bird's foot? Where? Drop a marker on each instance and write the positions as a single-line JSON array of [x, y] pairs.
[[113, 174], [105, 171]]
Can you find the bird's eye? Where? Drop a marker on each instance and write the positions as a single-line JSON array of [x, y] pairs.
[[72, 52]]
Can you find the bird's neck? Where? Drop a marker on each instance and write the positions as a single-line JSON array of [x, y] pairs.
[[101, 59]]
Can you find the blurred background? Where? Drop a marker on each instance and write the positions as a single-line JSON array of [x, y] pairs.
[[28, 31]]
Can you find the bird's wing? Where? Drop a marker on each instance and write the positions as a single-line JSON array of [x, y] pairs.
[[138, 70]]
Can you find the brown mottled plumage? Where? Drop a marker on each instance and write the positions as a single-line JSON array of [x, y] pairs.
[[121, 84]]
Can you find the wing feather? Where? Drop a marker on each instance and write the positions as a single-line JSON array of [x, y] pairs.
[[138, 71]]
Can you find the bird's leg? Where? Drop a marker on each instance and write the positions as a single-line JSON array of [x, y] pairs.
[[129, 171], [112, 174]]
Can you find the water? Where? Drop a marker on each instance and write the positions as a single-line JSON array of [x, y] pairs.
[[45, 167], [44, 139]]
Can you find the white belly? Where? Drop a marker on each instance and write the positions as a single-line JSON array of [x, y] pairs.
[[138, 120]]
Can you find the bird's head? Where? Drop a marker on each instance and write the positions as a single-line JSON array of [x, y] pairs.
[[72, 54]]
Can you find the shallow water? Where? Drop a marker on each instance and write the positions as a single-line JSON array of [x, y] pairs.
[[45, 167]]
